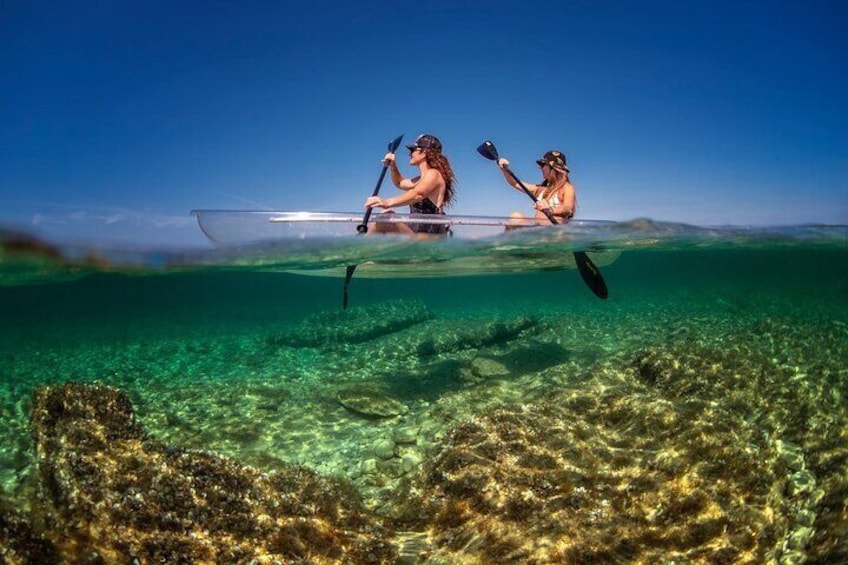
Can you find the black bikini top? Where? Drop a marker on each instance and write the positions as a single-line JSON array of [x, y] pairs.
[[426, 206]]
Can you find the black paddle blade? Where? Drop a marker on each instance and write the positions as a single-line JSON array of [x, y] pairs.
[[348, 276], [590, 274], [488, 150], [395, 143]]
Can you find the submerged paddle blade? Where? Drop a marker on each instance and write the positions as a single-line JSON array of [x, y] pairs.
[[345, 293], [590, 274], [488, 150]]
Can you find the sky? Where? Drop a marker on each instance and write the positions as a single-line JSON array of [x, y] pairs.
[[119, 117]]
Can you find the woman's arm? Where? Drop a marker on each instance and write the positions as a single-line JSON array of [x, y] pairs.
[[397, 178], [415, 193], [502, 165], [567, 201]]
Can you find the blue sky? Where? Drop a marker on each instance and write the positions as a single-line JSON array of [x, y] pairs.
[[117, 118]]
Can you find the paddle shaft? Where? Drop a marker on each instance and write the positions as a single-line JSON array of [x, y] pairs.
[[363, 227], [547, 211]]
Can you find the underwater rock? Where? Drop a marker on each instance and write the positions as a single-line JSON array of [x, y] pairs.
[[392, 468], [600, 474], [764, 375], [790, 454], [410, 461], [369, 402], [20, 544], [383, 448], [483, 368], [406, 434], [331, 330], [474, 335], [108, 494]]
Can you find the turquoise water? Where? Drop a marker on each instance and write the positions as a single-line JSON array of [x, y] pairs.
[[729, 345]]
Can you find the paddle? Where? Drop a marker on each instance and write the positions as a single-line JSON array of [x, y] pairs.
[[588, 271], [363, 227]]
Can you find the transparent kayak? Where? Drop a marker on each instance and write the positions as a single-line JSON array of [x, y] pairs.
[[236, 227], [325, 243]]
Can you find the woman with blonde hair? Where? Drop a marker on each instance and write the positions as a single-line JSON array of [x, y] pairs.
[[554, 193]]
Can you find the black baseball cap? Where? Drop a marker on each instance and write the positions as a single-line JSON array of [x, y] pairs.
[[554, 159], [426, 141]]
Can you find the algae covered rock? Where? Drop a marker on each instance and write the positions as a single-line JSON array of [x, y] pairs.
[[370, 402], [334, 329], [109, 494], [482, 368], [20, 544], [474, 335], [596, 474]]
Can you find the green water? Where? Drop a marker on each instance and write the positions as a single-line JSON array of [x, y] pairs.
[[208, 360]]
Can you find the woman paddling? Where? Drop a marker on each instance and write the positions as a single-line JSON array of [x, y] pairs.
[[554, 193], [428, 193]]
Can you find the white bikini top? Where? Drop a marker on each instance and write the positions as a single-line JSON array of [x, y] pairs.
[[552, 199]]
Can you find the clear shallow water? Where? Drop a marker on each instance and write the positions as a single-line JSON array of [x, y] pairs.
[[739, 336]]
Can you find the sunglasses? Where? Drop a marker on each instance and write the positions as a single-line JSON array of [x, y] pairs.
[[414, 149]]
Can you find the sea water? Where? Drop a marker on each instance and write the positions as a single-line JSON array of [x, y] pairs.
[[700, 413]]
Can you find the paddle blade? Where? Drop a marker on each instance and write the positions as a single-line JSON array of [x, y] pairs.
[[488, 150], [395, 143], [590, 274], [345, 293]]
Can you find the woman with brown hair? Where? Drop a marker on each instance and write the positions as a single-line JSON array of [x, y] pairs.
[[428, 193], [554, 193]]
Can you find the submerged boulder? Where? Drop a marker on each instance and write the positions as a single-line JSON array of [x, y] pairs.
[[108, 494], [472, 334], [601, 474], [20, 544], [370, 402], [334, 329]]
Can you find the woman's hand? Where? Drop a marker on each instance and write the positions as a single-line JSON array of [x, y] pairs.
[[543, 204], [389, 159], [375, 202], [503, 163]]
